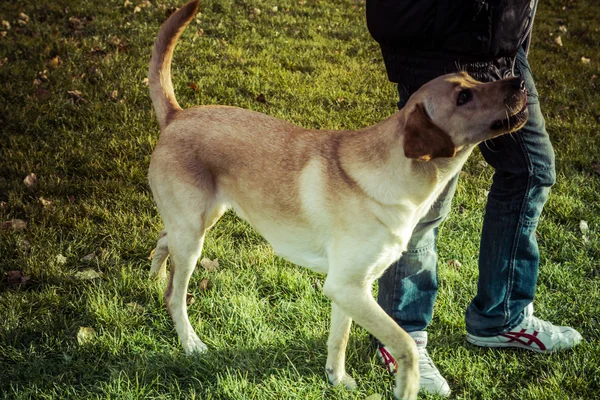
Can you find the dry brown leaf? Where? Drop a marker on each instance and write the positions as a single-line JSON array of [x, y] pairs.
[[585, 60], [30, 180], [204, 285], [3, 205], [558, 41], [189, 299], [210, 265], [193, 86], [14, 224], [136, 308], [114, 94], [87, 274], [455, 264], [54, 62], [127, 3], [5, 25], [61, 260], [45, 202], [41, 93], [137, 9], [23, 19], [16, 278], [88, 257], [3, 61], [77, 96], [85, 334], [24, 245], [261, 98], [563, 28]]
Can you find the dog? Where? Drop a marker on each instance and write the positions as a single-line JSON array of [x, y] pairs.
[[342, 203]]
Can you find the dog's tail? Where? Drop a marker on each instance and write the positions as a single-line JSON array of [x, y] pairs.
[[159, 73]]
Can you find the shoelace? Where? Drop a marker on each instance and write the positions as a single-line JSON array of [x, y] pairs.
[[538, 324], [424, 359]]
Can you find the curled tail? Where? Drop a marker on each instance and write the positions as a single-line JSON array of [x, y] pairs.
[[159, 73]]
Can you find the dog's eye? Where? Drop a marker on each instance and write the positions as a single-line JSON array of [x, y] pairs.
[[464, 97]]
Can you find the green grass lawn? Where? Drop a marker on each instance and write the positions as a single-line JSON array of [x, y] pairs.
[[75, 111]]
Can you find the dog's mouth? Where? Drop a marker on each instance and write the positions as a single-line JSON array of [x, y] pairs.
[[514, 121]]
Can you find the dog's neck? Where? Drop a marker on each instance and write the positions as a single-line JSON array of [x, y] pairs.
[[374, 157]]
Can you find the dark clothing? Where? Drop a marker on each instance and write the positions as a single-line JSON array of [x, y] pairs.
[[423, 39]]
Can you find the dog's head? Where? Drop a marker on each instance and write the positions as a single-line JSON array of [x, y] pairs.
[[455, 111]]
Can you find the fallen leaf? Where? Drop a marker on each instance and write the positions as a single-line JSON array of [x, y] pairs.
[[210, 265], [136, 308], [127, 3], [76, 24], [77, 96], [193, 86], [61, 260], [583, 227], [3, 205], [3, 33], [596, 167], [137, 9], [97, 51], [145, 81], [558, 41], [585, 60], [3, 61], [455, 264], [14, 224], [37, 82], [5, 25], [87, 274], [41, 93], [189, 299], [24, 245], [16, 278], [204, 285], [44, 202], [261, 98], [114, 94], [54, 62], [562, 28], [85, 334], [88, 257], [255, 12], [30, 180], [71, 198], [274, 9], [23, 19]]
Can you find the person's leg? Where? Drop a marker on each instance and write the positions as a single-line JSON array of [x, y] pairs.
[[408, 289]]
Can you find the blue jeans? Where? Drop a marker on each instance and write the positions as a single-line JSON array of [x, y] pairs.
[[508, 254]]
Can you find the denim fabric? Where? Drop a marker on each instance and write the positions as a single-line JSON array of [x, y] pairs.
[[508, 257]]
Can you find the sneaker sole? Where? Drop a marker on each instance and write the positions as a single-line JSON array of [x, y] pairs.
[[514, 345]]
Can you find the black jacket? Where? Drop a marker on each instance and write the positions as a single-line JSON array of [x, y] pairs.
[[422, 39]]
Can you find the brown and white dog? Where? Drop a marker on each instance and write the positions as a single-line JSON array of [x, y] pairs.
[[343, 203]]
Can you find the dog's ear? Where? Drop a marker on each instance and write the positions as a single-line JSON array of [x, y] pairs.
[[424, 140]]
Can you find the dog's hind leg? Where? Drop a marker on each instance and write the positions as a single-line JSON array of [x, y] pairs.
[[336, 348], [185, 246], [159, 258]]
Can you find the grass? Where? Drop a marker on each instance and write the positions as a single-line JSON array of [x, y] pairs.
[[264, 320]]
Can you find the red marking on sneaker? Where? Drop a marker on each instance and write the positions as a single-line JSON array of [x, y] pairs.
[[388, 360], [529, 338]]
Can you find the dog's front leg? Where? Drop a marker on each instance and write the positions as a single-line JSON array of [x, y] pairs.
[[336, 348], [353, 296]]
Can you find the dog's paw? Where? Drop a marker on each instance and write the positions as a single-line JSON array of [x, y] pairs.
[[345, 380], [194, 346]]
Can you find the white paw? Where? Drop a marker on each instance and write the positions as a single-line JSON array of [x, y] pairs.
[[194, 346], [346, 380]]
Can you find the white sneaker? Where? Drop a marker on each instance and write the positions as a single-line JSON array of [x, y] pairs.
[[432, 381], [532, 334]]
